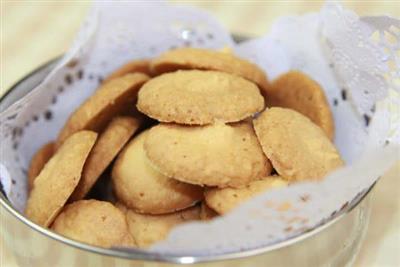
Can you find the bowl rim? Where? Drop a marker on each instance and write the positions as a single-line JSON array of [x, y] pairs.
[[139, 254]]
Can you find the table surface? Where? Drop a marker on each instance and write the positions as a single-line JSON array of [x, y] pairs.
[[33, 32]]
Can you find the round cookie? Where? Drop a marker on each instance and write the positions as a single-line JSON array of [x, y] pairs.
[[38, 161], [204, 59], [142, 188], [111, 99], [107, 147], [148, 229], [199, 97], [213, 155], [226, 199], [59, 177], [141, 65], [207, 213], [95, 222], [296, 90], [297, 148]]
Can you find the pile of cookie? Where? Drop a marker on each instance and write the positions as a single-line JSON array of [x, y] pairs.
[[189, 135]]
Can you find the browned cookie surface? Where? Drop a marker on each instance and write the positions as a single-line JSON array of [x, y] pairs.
[[148, 229], [199, 97], [140, 65], [94, 222], [111, 99], [296, 90], [59, 177], [39, 159], [214, 155], [107, 146], [204, 59], [142, 188], [297, 148], [224, 200]]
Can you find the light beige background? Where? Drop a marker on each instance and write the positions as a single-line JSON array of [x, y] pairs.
[[33, 32]]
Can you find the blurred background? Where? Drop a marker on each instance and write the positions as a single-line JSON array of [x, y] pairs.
[[33, 32]]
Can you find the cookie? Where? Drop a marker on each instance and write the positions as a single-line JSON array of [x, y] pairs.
[[213, 155], [297, 148], [207, 213], [107, 146], [142, 188], [59, 177], [38, 161], [111, 99], [148, 229], [95, 222], [199, 97], [226, 199], [296, 90], [141, 65], [204, 59]]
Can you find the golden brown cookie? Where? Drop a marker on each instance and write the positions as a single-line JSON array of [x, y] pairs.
[[204, 59], [226, 199], [148, 229], [207, 213], [110, 100], [298, 148], [298, 91], [59, 177], [214, 155], [95, 222], [141, 65], [199, 97], [142, 188], [38, 161], [107, 147]]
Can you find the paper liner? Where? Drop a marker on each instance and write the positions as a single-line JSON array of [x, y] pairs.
[[353, 59]]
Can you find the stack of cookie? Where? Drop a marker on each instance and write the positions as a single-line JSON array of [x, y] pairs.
[[213, 146]]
